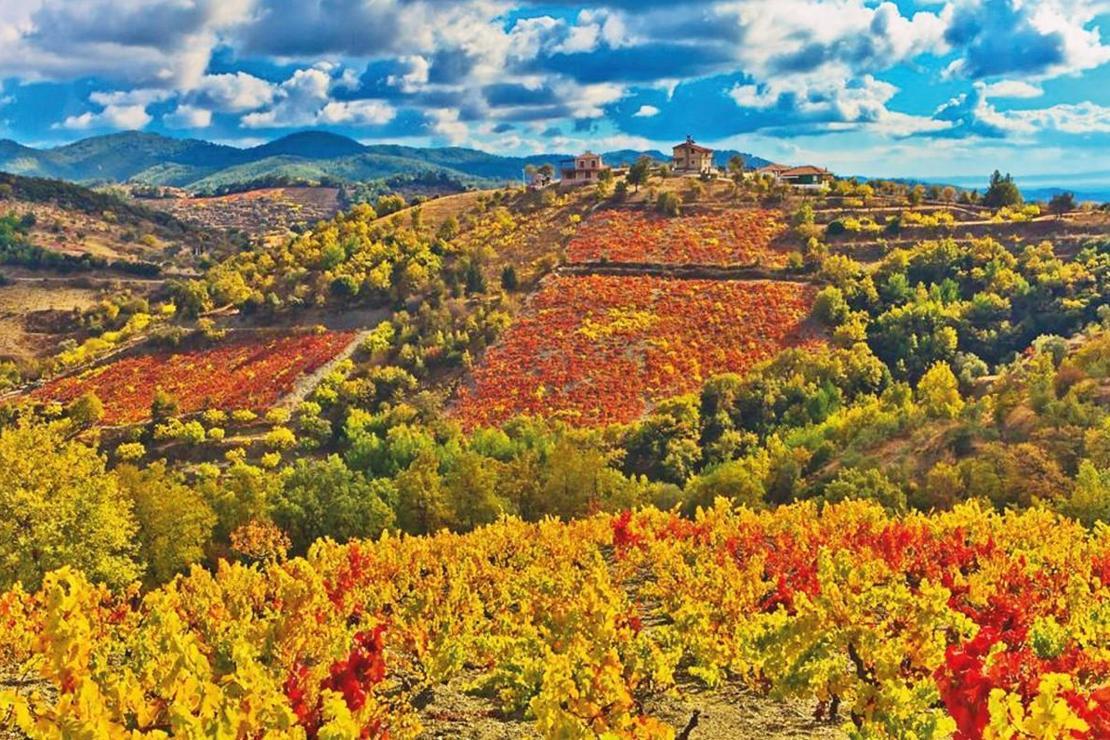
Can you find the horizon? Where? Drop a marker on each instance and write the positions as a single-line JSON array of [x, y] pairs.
[[891, 89], [1095, 183]]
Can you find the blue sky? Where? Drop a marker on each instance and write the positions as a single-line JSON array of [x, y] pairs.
[[927, 89]]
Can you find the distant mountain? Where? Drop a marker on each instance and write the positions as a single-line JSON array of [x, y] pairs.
[[305, 156]]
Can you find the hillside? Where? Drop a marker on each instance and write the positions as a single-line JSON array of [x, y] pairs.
[[712, 459], [308, 156]]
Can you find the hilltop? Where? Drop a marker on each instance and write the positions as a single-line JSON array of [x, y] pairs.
[[307, 156]]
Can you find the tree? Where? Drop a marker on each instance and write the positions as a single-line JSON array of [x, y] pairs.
[[389, 204], [509, 279], [1002, 191], [86, 410], [869, 485], [667, 204], [175, 522], [939, 392], [61, 508], [639, 172], [1090, 501], [1062, 203], [471, 487], [325, 498], [736, 166], [422, 505]]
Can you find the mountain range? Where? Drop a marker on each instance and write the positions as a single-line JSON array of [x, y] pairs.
[[306, 156]]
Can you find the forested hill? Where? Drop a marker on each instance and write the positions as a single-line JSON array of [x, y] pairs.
[[304, 156]]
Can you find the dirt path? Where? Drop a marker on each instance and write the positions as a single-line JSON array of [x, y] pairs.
[[305, 384]]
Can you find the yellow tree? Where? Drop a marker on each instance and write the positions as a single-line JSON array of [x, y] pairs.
[[60, 507]]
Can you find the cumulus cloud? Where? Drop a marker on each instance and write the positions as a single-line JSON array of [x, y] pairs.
[[445, 122], [1011, 89], [234, 92], [112, 117], [1040, 39], [188, 117], [788, 66], [149, 42], [305, 99], [972, 114]]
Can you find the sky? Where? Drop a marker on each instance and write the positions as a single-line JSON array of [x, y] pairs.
[[925, 88]]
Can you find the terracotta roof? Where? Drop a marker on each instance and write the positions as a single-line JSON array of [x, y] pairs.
[[805, 169], [774, 168], [692, 147]]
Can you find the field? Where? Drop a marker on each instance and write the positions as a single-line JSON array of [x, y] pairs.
[[257, 212], [23, 303], [733, 238], [918, 626], [248, 374], [601, 349]]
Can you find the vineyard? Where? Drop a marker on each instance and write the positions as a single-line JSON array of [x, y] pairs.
[[250, 374], [970, 621], [600, 349], [733, 238]]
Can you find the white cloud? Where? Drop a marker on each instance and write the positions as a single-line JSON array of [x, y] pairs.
[[143, 97], [646, 111], [415, 78], [1010, 89], [154, 43], [234, 92], [445, 122], [751, 96], [187, 116], [356, 112], [112, 117]]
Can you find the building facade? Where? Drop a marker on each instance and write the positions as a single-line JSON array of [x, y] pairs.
[[691, 157], [585, 168]]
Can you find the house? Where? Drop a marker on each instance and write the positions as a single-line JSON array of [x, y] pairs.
[[539, 180], [773, 169], [806, 176], [583, 169], [691, 157]]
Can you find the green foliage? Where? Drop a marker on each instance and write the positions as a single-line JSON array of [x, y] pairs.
[[324, 498], [1002, 191], [175, 523], [61, 507]]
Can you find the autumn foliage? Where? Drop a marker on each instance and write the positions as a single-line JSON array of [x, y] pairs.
[[968, 623], [600, 349], [250, 374], [740, 238]]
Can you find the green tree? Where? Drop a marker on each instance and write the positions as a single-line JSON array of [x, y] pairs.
[[1002, 191], [422, 505], [870, 485], [325, 498], [175, 522], [471, 488], [61, 508], [639, 172], [736, 166], [1090, 500], [1062, 203]]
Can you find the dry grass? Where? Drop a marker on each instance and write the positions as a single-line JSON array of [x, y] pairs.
[[22, 301], [262, 213]]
